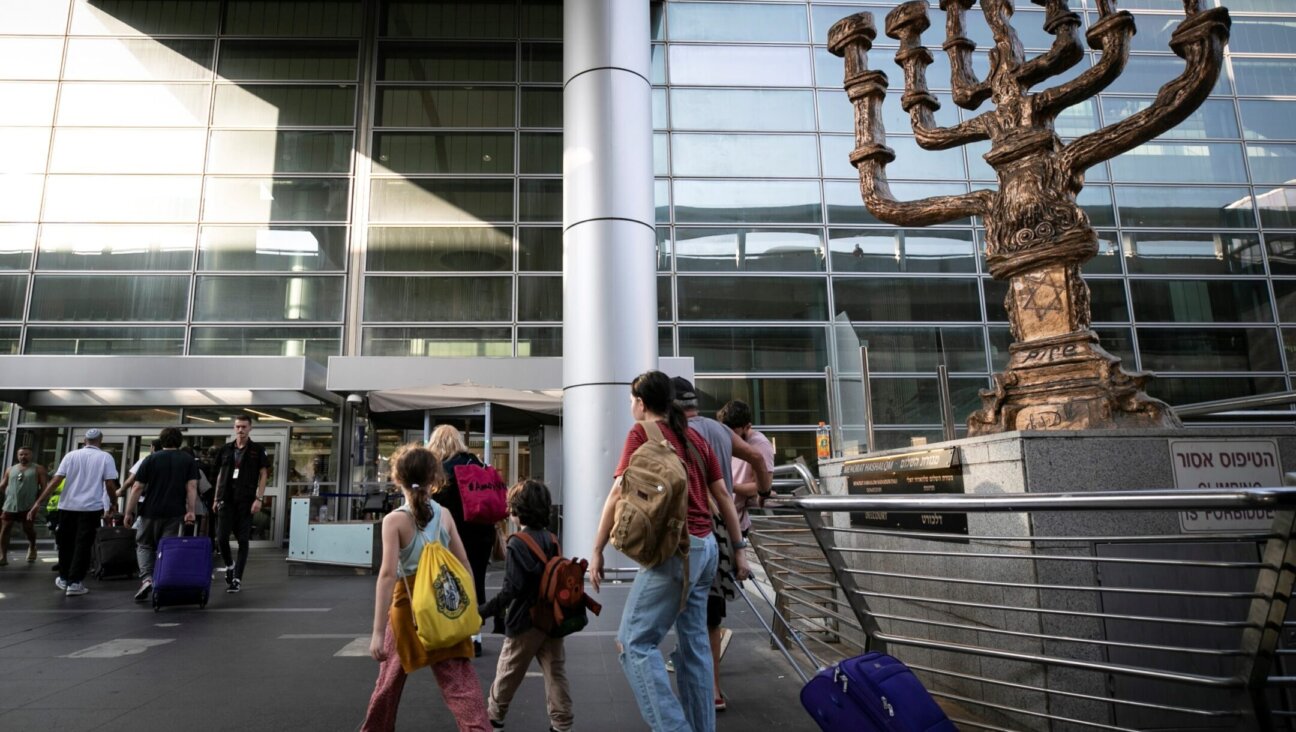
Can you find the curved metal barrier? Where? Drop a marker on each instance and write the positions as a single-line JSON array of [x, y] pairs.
[[1056, 611]]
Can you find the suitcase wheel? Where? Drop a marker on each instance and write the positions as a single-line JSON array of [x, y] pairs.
[[203, 602]]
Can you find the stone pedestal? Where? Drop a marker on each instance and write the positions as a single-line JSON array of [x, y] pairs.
[[1073, 462]]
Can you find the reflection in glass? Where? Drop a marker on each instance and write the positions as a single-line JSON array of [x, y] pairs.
[[292, 17], [16, 244], [441, 249], [98, 341], [540, 298], [737, 22], [1272, 164], [1277, 207], [99, 150], [272, 105], [784, 110], [445, 107], [925, 299], [912, 400], [440, 342], [1282, 253], [440, 200], [748, 250], [1146, 74], [749, 350], [746, 156], [316, 344], [741, 298], [1285, 294], [288, 151], [133, 105], [13, 290], [1268, 120], [109, 297], [265, 298], [258, 200], [120, 198], [539, 342], [1160, 162], [1193, 253], [1201, 301], [1214, 118], [442, 61], [917, 349], [462, 153], [911, 160], [446, 299], [1265, 76], [107, 247], [540, 249], [766, 202], [1185, 207], [272, 248], [1209, 349], [153, 59], [902, 250], [450, 19], [769, 66], [1177, 391], [773, 401], [846, 207], [540, 199]]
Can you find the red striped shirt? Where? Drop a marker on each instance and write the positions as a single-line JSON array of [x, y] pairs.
[[699, 476]]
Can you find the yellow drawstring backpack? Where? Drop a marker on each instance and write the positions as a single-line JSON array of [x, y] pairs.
[[442, 601]]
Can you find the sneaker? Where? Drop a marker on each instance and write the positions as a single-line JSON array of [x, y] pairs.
[[31, 554], [146, 588], [722, 703], [60, 583], [235, 585], [75, 588], [229, 579], [496, 724]]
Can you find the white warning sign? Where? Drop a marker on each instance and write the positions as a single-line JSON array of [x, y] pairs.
[[1226, 464]]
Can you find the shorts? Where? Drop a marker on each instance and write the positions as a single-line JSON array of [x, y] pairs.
[[12, 517], [715, 611]]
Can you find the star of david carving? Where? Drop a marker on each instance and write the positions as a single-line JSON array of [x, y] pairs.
[[1043, 296]]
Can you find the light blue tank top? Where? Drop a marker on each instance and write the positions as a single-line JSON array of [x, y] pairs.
[[409, 555]]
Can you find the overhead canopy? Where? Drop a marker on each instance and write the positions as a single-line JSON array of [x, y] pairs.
[[447, 396]]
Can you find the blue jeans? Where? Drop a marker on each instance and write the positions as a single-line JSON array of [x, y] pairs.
[[653, 606]]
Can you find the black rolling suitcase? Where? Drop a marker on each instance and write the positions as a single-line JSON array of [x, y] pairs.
[[113, 553]]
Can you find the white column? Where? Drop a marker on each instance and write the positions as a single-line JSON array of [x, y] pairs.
[[609, 248]]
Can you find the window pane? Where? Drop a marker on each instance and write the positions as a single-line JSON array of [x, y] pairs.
[[448, 299], [272, 248], [773, 401], [10, 343], [1107, 261], [540, 298], [27, 103], [837, 114], [1214, 118], [91, 150], [741, 109], [1263, 120], [1201, 301], [1277, 207], [661, 201], [918, 349], [293, 17], [13, 290], [1209, 349], [845, 206], [1272, 164], [30, 59], [131, 17], [1193, 253], [266, 151], [541, 62], [116, 247], [169, 59], [1179, 391], [755, 202], [287, 61], [44, 18], [751, 156], [541, 19], [1265, 76], [909, 299], [112, 198], [258, 200], [539, 342], [749, 250], [316, 344], [540, 249], [441, 342], [20, 197], [450, 19], [1205, 208], [133, 105], [24, 149], [540, 200], [540, 152], [1159, 162], [105, 341], [911, 161], [445, 107], [737, 22], [902, 250], [109, 297], [424, 62], [542, 107], [441, 249], [16, 244], [1146, 74], [917, 401], [1282, 253], [739, 66], [665, 301], [449, 201], [267, 298], [1285, 292], [1262, 35], [731, 298], [748, 350], [269, 105]]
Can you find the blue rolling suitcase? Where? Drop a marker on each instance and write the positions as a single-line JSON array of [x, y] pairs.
[[182, 571], [872, 692]]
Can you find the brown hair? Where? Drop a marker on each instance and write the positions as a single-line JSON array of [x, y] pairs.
[[417, 471]]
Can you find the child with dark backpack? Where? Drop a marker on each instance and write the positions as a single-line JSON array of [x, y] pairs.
[[543, 600]]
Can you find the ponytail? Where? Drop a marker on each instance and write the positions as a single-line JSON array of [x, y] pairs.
[[677, 421], [417, 471]]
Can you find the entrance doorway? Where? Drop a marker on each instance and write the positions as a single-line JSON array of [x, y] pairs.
[[510, 455]]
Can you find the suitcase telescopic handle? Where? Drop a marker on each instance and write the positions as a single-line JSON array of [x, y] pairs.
[[805, 679], [189, 525]]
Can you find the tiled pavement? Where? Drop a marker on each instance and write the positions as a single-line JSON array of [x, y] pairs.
[[283, 655]]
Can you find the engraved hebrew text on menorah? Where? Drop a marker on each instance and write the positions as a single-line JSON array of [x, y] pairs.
[[1058, 377]]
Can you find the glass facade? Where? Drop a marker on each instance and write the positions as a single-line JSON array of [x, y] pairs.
[[383, 177]]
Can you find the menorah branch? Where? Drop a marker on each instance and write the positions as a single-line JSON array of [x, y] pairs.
[[969, 92], [1066, 51], [1111, 34], [906, 23]]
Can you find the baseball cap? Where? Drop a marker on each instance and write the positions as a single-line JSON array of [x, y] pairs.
[[684, 391], [94, 433]]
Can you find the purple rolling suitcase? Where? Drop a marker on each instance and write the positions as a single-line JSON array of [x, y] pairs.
[[872, 692], [182, 571]]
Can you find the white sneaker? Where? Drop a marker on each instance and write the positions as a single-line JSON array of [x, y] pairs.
[[60, 583], [76, 588]]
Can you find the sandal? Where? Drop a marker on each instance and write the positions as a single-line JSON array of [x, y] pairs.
[[722, 703]]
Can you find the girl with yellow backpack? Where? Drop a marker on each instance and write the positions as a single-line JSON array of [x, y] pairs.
[[425, 608]]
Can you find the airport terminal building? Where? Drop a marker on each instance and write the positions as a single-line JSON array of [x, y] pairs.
[[217, 207]]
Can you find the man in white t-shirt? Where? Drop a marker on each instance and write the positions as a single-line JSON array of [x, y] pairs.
[[89, 479]]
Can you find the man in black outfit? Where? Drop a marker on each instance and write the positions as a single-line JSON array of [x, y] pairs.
[[168, 479], [242, 467]]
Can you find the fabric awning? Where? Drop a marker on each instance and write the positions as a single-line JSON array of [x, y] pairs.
[[444, 396]]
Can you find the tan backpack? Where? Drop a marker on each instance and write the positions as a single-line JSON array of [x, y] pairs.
[[650, 523]]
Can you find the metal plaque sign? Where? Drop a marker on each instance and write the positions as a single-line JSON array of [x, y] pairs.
[[922, 472], [1226, 464]]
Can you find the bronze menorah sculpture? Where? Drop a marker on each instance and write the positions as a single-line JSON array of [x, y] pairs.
[[1058, 377]]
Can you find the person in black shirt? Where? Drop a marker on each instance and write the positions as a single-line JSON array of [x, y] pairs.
[[242, 467], [168, 479]]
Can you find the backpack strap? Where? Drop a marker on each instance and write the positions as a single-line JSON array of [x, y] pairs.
[[533, 546]]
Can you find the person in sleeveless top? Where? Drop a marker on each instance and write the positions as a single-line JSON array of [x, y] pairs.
[[18, 490], [394, 642]]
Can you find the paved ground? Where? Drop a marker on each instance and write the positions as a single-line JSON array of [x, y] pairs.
[[290, 653]]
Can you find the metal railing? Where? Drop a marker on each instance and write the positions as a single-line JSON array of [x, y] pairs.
[[1054, 611]]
